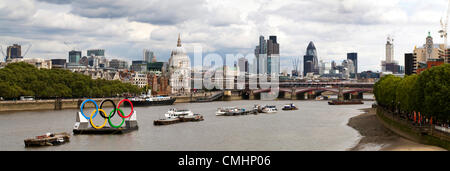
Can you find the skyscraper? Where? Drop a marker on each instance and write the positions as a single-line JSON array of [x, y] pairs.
[[243, 65], [310, 61], [14, 51], [354, 57], [148, 55], [268, 55], [74, 57], [389, 50]]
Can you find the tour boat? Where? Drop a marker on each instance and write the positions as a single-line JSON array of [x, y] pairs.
[[290, 107], [149, 100], [269, 109], [179, 113]]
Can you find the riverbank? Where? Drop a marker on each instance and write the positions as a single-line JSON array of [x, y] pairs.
[[376, 137]]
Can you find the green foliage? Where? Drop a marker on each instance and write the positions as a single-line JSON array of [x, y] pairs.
[[427, 93], [406, 94], [19, 79]]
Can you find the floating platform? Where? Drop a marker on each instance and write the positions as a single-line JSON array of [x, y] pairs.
[[178, 120], [82, 126], [345, 102], [48, 140]]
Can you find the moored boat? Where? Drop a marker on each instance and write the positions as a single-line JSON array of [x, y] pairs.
[[48, 139], [269, 109], [178, 115], [149, 100], [289, 107], [345, 102]]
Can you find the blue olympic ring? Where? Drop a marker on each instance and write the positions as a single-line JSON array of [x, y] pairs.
[[96, 108]]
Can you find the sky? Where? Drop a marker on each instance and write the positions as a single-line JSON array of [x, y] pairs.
[[51, 28]]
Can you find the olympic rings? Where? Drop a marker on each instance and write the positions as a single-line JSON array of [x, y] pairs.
[[96, 108], [114, 109], [120, 113], [92, 123], [109, 119], [104, 114]]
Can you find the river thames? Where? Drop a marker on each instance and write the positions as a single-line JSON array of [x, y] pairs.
[[315, 126]]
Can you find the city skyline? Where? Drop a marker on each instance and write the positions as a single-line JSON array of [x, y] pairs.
[[123, 34]]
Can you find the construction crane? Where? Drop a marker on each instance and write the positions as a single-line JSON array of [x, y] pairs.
[[443, 32], [26, 52]]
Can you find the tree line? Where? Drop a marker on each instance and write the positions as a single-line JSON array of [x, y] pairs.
[[22, 79], [427, 93]]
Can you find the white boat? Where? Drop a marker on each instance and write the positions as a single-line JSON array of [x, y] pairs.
[[227, 111], [269, 109], [177, 113]]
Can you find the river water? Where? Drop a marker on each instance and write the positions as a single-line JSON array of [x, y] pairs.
[[316, 126]]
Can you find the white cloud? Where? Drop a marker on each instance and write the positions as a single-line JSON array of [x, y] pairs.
[[124, 28]]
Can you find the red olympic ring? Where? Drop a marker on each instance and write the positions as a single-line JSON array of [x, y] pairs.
[[120, 113]]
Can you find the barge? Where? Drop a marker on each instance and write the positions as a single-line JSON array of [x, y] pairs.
[[345, 102], [48, 139], [82, 126], [234, 111]]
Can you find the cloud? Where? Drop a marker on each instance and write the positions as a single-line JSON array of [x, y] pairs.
[[125, 27]]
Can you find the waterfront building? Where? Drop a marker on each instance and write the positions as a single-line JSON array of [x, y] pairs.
[[310, 60], [74, 57], [139, 79], [179, 70]]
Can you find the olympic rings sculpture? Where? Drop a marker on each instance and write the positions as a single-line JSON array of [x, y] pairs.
[[106, 116]]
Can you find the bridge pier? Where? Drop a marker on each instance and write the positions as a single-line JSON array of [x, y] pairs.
[[358, 96]]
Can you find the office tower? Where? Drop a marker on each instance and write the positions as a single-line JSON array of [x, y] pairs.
[[267, 54], [273, 56], [74, 57], [96, 52], [310, 61], [14, 51], [243, 65], [354, 57], [409, 64], [148, 56]]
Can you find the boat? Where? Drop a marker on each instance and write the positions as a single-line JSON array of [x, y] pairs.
[[345, 102], [178, 115], [149, 100], [258, 108], [269, 109], [49, 139], [289, 107], [228, 111]]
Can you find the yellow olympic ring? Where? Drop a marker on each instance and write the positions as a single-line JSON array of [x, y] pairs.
[[106, 119]]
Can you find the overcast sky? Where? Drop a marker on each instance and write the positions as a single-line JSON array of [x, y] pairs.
[[125, 27]]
